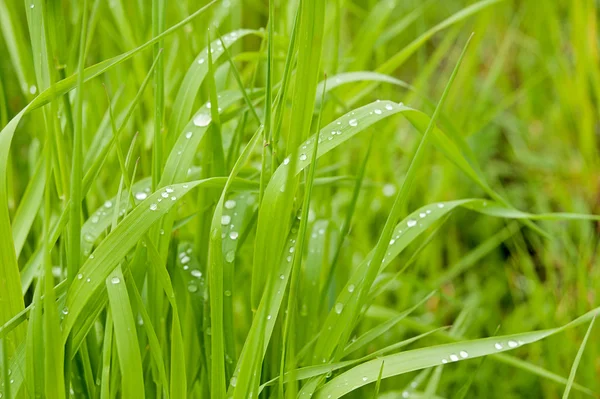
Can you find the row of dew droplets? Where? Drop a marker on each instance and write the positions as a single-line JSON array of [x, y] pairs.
[[511, 344], [166, 194], [226, 219], [217, 47]]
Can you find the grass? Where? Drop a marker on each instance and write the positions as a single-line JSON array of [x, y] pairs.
[[288, 199]]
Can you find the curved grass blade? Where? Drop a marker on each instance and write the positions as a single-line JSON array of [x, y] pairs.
[[578, 359], [418, 359]]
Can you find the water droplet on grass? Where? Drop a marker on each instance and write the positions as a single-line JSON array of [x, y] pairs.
[[225, 219], [196, 273], [230, 256], [411, 223], [141, 196], [389, 190], [453, 357], [303, 157], [233, 235], [388, 107], [339, 307], [202, 120], [192, 288], [498, 345], [463, 354], [353, 122], [153, 207], [115, 280], [513, 344], [351, 288], [286, 161], [230, 204]]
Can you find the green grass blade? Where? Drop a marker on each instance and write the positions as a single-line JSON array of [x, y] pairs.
[[418, 359], [578, 359], [125, 335]]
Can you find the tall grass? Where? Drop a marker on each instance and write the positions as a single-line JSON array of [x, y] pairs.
[[288, 199]]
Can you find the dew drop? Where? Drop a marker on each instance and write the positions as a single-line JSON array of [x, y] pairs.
[[230, 256], [282, 277], [388, 107], [141, 196], [453, 357], [365, 378], [422, 215], [411, 223], [377, 111], [513, 344], [202, 120], [444, 361], [303, 157], [233, 235], [351, 288], [65, 310], [339, 307], [196, 273], [405, 394], [353, 122], [225, 219], [164, 195], [233, 381], [115, 280], [201, 61], [192, 288], [440, 205], [227, 293], [389, 190], [188, 135], [498, 346], [108, 204], [286, 161], [230, 204], [463, 354], [79, 276], [153, 207], [392, 241], [95, 219]]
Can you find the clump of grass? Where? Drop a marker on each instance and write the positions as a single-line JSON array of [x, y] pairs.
[[246, 227]]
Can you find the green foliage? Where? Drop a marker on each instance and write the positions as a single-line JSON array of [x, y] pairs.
[[303, 198]]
